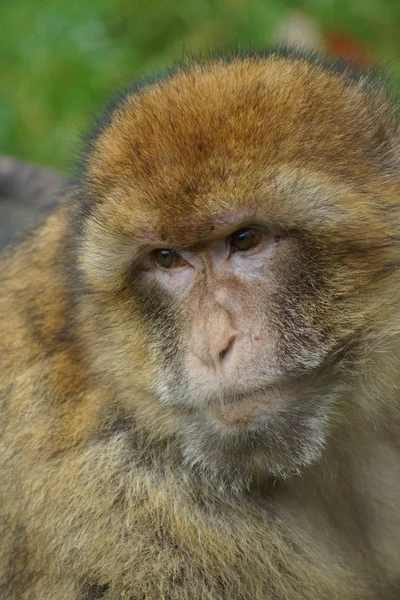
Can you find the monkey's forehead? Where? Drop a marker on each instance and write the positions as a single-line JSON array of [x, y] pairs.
[[213, 130]]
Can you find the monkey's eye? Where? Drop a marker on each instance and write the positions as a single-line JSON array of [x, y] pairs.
[[168, 259], [245, 239]]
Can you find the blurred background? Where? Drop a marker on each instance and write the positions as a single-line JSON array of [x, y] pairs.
[[61, 59]]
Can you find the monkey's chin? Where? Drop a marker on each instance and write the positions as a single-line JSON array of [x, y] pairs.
[[274, 432], [234, 450]]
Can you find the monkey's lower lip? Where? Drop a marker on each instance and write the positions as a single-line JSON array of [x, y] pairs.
[[244, 409]]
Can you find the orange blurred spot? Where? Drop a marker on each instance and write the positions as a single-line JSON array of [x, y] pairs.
[[342, 45]]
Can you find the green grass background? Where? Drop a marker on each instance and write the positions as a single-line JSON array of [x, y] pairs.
[[61, 59]]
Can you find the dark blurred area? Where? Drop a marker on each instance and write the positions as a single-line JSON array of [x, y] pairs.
[[26, 192], [60, 60]]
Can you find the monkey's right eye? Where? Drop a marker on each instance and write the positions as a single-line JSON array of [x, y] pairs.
[[168, 259]]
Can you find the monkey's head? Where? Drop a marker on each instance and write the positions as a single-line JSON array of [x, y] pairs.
[[235, 243]]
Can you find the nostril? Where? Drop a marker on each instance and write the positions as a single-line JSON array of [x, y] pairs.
[[227, 348]]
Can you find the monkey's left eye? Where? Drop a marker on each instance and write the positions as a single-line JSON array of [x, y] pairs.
[[168, 259], [245, 239]]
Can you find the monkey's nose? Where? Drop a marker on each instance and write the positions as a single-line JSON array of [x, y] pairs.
[[213, 353], [213, 340], [227, 349]]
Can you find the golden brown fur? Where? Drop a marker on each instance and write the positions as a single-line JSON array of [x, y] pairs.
[[108, 492]]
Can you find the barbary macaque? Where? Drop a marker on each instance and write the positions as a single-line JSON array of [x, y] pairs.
[[200, 348]]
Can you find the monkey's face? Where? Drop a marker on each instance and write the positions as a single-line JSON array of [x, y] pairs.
[[230, 261]]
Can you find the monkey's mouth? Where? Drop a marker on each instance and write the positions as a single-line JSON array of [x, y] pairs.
[[243, 409]]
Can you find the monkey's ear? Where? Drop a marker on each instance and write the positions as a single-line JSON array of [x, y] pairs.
[[384, 141], [386, 133], [391, 147], [373, 107]]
